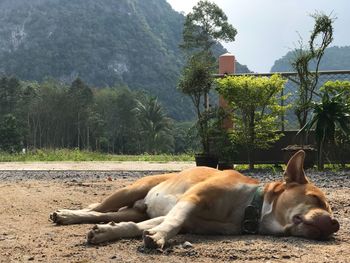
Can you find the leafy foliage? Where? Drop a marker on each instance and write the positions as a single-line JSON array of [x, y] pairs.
[[335, 58], [255, 110], [53, 115], [111, 43], [337, 87], [203, 27], [10, 134], [155, 126], [307, 80], [196, 82], [333, 112]]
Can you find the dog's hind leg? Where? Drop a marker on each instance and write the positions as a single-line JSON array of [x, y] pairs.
[[128, 195], [84, 216], [110, 208], [113, 231]]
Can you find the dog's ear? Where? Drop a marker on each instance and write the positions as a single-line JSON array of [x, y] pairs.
[[295, 169]]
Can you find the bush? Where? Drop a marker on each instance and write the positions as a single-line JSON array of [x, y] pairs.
[[256, 110]]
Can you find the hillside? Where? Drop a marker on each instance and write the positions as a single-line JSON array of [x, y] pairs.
[[105, 42], [335, 58]]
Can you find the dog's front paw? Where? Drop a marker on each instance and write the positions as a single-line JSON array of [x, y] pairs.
[[153, 239], [101, 233]]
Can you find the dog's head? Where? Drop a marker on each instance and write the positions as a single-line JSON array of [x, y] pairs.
[[299, 207]]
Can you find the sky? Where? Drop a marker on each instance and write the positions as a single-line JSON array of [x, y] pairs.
[[268, 29]]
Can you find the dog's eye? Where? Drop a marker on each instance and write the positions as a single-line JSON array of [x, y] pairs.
[[319, 201]]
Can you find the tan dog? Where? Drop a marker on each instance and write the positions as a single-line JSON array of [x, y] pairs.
[[207, 201]]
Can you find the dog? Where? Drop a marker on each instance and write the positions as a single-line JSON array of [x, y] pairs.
[[204, 200]]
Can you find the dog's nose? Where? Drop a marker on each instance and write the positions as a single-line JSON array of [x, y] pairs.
[[335, 225], [326, 225]]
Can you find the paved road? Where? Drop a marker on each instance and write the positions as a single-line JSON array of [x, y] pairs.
[[94, 166]]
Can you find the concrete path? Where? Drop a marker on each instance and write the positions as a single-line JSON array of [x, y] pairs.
[[95, 166]]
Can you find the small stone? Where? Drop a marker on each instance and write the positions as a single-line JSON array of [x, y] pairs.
[[233, 257], [186, 245], [30, 258], [286, 256]]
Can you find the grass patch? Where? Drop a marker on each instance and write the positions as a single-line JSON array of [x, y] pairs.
[[81, 156], [261, 167]]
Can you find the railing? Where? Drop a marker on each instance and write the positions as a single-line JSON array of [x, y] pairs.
[[291, 87]]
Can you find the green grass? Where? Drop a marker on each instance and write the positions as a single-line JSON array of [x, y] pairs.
[[264, 167], [77, 155]]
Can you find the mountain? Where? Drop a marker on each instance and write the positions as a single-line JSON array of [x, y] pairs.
[[335, 58], [105, 43]]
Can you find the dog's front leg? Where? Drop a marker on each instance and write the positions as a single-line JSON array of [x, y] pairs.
[[172, 224], [112, 231]]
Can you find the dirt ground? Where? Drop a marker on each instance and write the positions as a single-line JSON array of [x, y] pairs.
[[27, 198]]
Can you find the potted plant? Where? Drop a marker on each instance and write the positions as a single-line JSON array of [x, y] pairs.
[[309, 149], [196, 82], [307, 81], [221, 144], [332, 113], [203, 28], [255, 106]]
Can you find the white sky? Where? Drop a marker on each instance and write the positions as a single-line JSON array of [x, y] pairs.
[[268, 29]]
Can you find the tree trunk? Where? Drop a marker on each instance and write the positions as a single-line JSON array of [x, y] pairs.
[[251, 140], [320, 159], [78, 123]]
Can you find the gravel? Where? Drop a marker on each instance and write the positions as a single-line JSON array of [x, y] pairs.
[[327, 179]]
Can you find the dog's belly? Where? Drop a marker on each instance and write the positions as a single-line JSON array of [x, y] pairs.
[[161, 199]]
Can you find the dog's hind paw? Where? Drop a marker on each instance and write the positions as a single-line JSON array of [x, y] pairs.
[[64, 217]]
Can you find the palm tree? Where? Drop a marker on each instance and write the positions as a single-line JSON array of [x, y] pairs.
[[330, 114], [155, 125]]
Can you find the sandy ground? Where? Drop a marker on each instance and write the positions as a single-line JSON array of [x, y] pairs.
[[27, 198]]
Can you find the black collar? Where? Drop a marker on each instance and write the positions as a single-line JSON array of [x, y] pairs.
[[252, 213]]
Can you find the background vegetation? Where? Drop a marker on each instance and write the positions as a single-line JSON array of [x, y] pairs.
[[114, 120], [132, 43], [335, 58]]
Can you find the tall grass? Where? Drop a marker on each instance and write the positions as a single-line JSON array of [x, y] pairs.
[[80, 156]]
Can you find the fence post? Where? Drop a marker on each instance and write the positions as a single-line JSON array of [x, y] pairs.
[[226, 66]]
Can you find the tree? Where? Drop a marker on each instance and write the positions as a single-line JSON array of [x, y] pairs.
[[80, 100], [206, 25], [10, 134], [256, 109], [307, 80], [185, 138], [10, 95], [196, 82], [203, 28], [155, 126], [116, 108]]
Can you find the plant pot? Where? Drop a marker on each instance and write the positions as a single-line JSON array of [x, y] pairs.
[[225, 165], [310, 154], [206, 160]]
